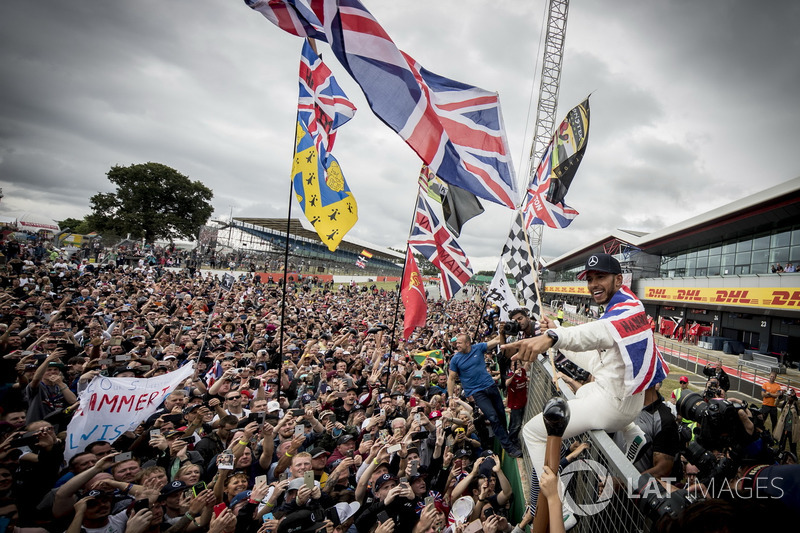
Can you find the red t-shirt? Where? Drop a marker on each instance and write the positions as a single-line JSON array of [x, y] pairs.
[[518, 391]]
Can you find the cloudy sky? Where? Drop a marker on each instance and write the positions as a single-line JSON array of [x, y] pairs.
[[694, 104]]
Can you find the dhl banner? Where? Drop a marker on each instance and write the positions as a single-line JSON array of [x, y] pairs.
[[567, 289], [775, 298]]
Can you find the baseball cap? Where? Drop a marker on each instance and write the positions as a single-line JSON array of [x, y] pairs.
[[684, 379], [345, 438], [295, 483], [189, 408], [383, 480], [601, 263], [344, 510], [317, 452], [240, 497], [304, 521], [298, 482], [172, 488], [273, 406]]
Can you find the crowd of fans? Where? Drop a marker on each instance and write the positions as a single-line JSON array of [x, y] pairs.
[[332, 428]]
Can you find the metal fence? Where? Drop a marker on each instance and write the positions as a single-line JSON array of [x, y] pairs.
[[597, 508], [615, 510]]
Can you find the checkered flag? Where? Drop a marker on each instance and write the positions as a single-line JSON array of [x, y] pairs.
[[520, 264]]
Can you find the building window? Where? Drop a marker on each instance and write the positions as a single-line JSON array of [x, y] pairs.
[[794, 254], [713, 265], [779, 255], [781, 239], [760, 257], [728, 260], [761, 243]]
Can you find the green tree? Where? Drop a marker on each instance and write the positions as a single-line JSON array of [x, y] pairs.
[[426, 268], [76, 225], [152, 201]]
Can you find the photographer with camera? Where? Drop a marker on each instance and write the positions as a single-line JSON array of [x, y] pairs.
[[519, 326], [714, 371], [726, 438]]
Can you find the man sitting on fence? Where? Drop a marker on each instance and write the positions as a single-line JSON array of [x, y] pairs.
[[620, 352]]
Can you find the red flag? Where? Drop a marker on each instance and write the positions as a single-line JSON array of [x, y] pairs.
[[413, 297]]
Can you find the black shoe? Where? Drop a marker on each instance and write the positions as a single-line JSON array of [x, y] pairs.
[[514, 452]]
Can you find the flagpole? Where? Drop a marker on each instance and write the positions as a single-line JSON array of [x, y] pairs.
[[285, 292], [480, 315], [402, 277], [208, 323], [286, 260]]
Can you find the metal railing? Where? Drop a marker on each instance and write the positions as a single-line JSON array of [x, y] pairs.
[[597, 508]]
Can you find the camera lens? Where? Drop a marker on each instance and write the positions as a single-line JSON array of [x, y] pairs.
[[691, 406]]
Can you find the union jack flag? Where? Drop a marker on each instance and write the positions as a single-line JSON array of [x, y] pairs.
[[292, 16], [432, 239], [536, 209], [322, 106], [544, 200], [644, 364], [457, 129], [213, 373]]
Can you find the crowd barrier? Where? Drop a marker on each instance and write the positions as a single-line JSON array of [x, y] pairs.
[[601, 485]]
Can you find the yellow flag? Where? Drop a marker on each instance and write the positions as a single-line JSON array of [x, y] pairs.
[[327, 202]]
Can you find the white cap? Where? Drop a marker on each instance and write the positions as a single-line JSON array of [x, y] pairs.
[[346, 510]]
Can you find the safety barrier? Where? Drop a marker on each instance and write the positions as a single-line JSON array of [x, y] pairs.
[[600, 486]]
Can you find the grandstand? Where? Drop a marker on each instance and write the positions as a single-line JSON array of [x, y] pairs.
[[263, 239]]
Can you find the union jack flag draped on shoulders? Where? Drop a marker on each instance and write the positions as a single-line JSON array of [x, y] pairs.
[[322, 105], [644, 364], [432, 239], [457, 129]]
